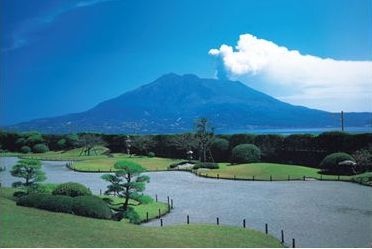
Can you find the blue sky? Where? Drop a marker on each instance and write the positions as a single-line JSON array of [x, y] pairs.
[[64, 56]]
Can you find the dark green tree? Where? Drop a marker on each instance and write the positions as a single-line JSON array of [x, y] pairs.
[[219, 149], [143, 143], [184, 142], [127, 182], [30, 171]]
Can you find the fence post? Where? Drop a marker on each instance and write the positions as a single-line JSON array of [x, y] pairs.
[[218, 176], [266, 228], [100, 191], [172, 204], [252, 178], [159, 212], [161, 222], [218, 221], [293, 243], [244, 223], [156, 198], [188, 219], [168, 200], [282, 235], [147, 216], [304, 178], [271, 178]]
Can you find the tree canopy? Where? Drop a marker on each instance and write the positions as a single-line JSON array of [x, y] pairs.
[[30, 171]]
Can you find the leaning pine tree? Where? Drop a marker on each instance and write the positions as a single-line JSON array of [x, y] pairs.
[[127, 183]]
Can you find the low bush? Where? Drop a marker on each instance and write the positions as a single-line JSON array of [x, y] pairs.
[[174, 165], [57, 203], [46, 201], [132, 216], [151, 154], [25, 149], [91, 206], [330, 163], [19, 194], [245, 153], [71, 189], [40, 148], [206, 165]]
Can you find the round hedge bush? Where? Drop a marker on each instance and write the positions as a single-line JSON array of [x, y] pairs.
[[25, 149], [71, 189], [91, 206], [245, 153], [55, 203], [151, 154], [40, 148], [330, 164]]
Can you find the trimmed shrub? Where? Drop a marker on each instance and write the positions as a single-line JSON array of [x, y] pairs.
[[219, 149], [206, 165], [330, 163], [91, 206], [132, 216], [46, 201], [19, 194], [71, 189], [46, 188], [40, 148], [25, 149], [173, 165], [57, 203], [246, 153], [151, 154]]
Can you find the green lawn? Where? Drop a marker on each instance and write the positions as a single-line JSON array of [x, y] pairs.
[[99, 162], [29, 227], [263, 171], [70, 155], [152, 208], [107, 164]]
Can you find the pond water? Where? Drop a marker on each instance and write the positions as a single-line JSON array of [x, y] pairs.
[[316, 214]]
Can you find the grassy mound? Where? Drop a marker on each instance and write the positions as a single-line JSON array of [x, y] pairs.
[[263, 171], [107, 164], [29, 227]]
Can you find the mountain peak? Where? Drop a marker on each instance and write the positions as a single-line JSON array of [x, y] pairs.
[[172, 102]]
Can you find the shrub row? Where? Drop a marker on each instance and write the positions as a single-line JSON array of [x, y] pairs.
[[206, 165], [89, 206]]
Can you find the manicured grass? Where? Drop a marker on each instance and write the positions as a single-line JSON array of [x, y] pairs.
[[263, 171], [365, 178], [152, 208], [99, 162], [29, 227], [107, 164], [70, 155]]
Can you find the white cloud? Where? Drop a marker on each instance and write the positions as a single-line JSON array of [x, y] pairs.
[[308, 80]]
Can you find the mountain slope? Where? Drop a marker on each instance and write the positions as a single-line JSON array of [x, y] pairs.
[[172, 103]]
